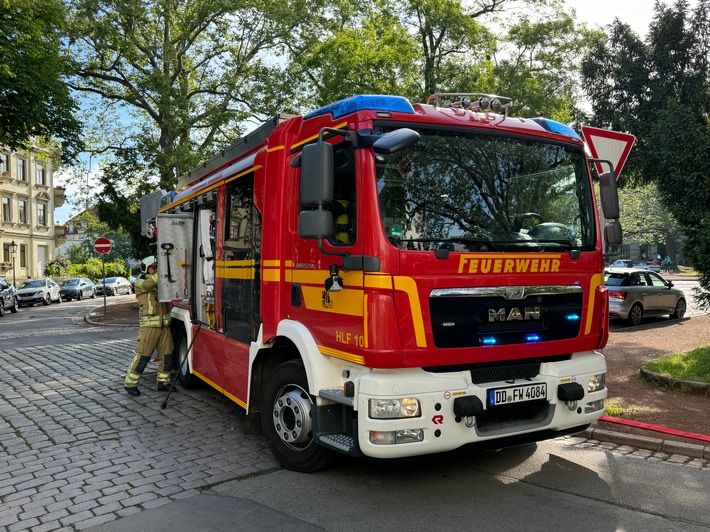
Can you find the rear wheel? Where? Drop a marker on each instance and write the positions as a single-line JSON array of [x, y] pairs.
[[636, 314], [286, 417], [680, 309]]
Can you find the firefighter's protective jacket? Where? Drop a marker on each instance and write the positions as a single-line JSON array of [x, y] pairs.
[[153, 313]]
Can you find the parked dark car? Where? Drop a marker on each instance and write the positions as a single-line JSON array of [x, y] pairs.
[[8, 297], [635, 293], [43, 291], [77, 288], [114, 286]]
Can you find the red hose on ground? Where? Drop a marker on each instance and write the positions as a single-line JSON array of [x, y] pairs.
[[656, 428]]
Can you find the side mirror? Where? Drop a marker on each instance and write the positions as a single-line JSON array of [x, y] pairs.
[[317, 169], [396, 140], [612, 233], [609, 195], [314, 225]]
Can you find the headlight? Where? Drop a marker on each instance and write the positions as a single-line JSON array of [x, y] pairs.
[[394, 408], [596, 383]]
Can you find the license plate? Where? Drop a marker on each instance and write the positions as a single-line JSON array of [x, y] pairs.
[[517, 394]]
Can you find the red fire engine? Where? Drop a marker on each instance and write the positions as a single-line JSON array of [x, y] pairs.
[[386, 279]]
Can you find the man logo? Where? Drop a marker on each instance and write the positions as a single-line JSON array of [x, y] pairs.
[[514, 314]]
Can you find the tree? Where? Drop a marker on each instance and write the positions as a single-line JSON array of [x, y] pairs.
[[186, 72], [646, 221], [35, 102], [660, 92]]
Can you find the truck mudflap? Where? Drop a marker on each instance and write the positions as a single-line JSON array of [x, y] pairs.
[[411, 412]]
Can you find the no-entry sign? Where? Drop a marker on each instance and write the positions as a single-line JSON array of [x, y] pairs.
[[102, 245]]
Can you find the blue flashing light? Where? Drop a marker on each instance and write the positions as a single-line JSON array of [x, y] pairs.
[[533, 338], [489, 340], [573, 317], [556, 127], [370, 102]]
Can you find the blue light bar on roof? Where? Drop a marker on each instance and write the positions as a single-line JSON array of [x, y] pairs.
[[369, 102], [556, 127]]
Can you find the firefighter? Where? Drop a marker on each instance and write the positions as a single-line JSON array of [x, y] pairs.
[[153, 333]]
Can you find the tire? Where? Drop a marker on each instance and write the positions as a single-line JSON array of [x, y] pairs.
[[680, 308], [635, 315], [59, 299], [47, 300], [93, 294], [187, 379], [80, 296], [15, 306], [287, 420], [2, 308]]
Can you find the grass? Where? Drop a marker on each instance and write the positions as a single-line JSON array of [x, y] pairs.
[[616, 409], [691, 366]]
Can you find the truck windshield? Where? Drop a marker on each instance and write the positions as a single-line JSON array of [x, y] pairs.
[[473, 192]]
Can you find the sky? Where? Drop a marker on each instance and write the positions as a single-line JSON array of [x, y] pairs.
[[596, 13]]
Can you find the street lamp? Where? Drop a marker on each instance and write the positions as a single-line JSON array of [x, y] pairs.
[[13, 250]]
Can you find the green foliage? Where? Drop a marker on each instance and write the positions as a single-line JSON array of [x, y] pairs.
[[121, 249], [35, 101], [691, 366], [645, 220], [660, 92], [93, 270], [56, 268]]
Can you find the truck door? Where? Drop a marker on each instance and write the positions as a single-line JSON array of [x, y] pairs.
[[240, 263]]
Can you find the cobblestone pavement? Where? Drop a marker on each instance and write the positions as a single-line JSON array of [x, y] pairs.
[[76, 451]]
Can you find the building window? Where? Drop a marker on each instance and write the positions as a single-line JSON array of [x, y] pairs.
[[6, 209], [6, 252], [41, 214], [22, 211], [21, 173], [3, 163], [41, 177], [23, 256]]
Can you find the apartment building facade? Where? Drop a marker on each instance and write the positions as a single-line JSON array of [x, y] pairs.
[[28, 236]]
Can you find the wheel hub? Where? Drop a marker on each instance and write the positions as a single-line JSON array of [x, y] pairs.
[[292, 416]]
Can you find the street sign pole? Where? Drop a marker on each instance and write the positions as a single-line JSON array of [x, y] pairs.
[[103, 274], [103, 245]]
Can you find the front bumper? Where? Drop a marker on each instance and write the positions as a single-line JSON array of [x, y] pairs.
[[442, 430], [34, 298]]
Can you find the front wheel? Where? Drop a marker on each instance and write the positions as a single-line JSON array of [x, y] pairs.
[[287, 420], [636, 315], [680, 309], [47, 299], [80, 296], [15, 306]]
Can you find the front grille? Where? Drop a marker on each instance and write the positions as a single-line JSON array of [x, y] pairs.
[[500, 371], [478, 317]]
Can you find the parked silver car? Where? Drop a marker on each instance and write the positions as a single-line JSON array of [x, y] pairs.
[[114, 286], [636, 292], [43, 291]]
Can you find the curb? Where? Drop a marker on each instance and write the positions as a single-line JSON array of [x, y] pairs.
[[644, 442], [693, 387], [88, 320]]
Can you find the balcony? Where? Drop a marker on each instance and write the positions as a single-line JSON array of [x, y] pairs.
[[59, 196], [60, 235]]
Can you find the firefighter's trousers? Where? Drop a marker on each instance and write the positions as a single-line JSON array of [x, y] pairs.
[[151, 339]]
